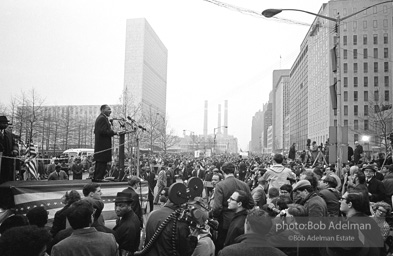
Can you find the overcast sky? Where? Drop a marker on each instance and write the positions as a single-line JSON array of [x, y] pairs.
[[72, 53]]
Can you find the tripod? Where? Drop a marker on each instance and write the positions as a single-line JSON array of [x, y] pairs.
[[320, 154]]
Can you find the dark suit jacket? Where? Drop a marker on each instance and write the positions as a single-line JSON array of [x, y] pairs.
[[127, 232], [222, 193], [236, 228], [377, 190], [7, 145], [103, 134], [135, 205], [152, 183], [201, 174]]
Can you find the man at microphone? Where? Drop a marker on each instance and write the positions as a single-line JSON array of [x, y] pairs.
[[103, 143]]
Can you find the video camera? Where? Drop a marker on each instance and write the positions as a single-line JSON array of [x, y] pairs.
[[193, 210]]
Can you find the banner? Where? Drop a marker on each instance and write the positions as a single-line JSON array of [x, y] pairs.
[[48, 194]]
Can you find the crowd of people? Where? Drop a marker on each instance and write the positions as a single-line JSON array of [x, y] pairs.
[[238, 212]]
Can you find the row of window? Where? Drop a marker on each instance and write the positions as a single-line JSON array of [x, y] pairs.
[[365, 96], [365, 81], [365, 40], [377, 109], [365, 53], [365, 67]]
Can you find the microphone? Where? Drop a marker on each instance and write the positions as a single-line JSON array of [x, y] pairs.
[[117, 119], [129, 118]]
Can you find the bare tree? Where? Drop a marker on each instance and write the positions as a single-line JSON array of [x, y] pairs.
[[376, 121], [166, 136]]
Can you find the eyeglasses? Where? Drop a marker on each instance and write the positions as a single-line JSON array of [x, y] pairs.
[[232, 199], [381, 210]]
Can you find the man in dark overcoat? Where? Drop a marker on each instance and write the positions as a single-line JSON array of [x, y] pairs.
[[8, 148], [150, 177], [127, 229], [103, 142]]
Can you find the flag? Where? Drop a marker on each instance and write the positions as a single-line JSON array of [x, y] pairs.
[[31, 161], [48, 194]]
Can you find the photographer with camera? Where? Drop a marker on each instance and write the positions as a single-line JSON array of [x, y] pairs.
[[166, 243]]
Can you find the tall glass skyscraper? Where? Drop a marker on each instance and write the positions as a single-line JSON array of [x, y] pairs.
[[145, 70]]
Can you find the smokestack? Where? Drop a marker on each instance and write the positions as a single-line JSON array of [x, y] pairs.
[[219, 119], [226, 118], [205, 121]]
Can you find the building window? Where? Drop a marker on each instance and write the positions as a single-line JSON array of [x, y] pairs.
[[355, 54], [355, 39], [365, 125], [374, 9], [375, 39], [355, 25], [386, 95], [375, 81], [365, 54], [345, 122], [386, 53], [355, 124], [345, 110], [356, 137], [345, 81], [375, 53], [385, 23], [375, 24], [335, 123], [376, 96], [376, 108], [355, 81], [366, 81], [365, 67], [345, 96], [385, 38], [355, 110], [345, 68], [386, 78], [345, 54], [364, 36], [366, 110], [375, 67], [386, 66], [366, 96], [355, 67], [345, 40], [355, 96]]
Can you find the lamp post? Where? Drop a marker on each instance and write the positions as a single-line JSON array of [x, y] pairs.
[[268, 13], [366, 139], [214, 133]]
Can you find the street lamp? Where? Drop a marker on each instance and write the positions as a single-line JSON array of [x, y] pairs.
[[268, 13], [366, 139], [214, 132]]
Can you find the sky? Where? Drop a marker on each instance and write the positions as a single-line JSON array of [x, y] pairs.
[[72, 53]]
